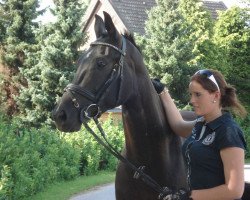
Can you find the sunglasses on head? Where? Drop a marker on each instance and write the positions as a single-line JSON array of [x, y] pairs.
[[209, 75]]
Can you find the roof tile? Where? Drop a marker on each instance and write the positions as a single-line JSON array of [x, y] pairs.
[[213, 7], [133, 13]]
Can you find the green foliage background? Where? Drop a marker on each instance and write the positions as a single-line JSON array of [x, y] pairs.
[[167, 49], [49, 68], [31, 159], [17, 24], [181, 37], [40, 59], [232, 36]]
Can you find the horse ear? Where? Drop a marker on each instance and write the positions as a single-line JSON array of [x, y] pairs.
[[110, 27], [100, 29]]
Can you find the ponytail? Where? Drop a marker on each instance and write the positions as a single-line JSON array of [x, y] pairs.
[[230, 101]]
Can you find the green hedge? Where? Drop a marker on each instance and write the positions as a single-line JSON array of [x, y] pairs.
[[245, 125], [95, 157], [31, 159]]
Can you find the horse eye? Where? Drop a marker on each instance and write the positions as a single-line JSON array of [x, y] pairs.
[[101, 64]]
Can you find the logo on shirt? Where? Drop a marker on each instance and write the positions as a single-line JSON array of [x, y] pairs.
[[209, 139]]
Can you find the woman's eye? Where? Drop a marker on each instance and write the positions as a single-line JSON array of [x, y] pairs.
[[101, 64], [197, 94]]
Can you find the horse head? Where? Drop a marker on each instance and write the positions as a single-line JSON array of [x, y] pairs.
[[99, 82]]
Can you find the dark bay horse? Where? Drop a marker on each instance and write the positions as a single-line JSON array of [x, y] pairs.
[[112, 73], [109, 77]]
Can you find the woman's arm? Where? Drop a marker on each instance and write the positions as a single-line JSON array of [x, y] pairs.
[[180, 127], [233, 161]]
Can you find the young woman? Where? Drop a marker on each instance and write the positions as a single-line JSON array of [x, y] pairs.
[[214, 146]]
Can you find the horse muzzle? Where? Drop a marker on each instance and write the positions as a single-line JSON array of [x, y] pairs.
[[66, 121]]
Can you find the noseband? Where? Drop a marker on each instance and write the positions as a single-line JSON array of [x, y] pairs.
[[94, 110]]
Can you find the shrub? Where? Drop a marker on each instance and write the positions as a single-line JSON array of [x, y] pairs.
[[244, 124], [30, 159], [94, 156]]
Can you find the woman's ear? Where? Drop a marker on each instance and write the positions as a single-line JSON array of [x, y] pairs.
[[217, 96]]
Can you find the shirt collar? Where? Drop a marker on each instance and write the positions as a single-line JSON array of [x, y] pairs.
[[219, 121]]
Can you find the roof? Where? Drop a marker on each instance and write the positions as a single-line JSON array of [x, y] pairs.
[[213, 7], [133, 13]]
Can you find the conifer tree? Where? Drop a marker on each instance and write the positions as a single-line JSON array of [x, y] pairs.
[[51, 71], [16, 39], [3, 24], [167, 49], [18, 27]]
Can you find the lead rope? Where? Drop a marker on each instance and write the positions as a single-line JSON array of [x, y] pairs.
[[139, 174]]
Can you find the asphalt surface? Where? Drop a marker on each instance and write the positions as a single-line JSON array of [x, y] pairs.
[[104, 192], [247, 173], [107, 192]]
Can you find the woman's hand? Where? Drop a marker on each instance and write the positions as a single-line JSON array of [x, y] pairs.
[[159, 87]]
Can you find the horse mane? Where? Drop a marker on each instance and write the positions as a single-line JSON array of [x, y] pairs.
[[131, 38]]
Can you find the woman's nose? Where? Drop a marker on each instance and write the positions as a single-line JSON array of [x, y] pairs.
[[190, 100]]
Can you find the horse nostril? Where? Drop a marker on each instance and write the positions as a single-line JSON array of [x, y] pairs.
[[62, 116]]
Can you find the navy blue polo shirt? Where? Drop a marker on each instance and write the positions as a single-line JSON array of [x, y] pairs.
[[202, 156]]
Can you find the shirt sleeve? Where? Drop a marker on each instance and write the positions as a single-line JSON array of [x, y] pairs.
[[230, 137]]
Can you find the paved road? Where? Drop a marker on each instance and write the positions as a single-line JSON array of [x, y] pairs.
[[107, 192], [247, 173]]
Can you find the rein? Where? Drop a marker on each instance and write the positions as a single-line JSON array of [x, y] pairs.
[[139, 172], [93, 111]]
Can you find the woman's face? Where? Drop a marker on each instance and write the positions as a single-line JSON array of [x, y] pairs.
[[203, 101]]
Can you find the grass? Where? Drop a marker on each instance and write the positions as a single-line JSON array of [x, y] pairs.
[[64, 190]]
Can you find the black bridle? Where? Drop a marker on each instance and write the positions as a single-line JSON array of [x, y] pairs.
[[93, 111]]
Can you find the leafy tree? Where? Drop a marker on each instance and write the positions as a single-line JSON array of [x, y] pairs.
[[232, 35], [206, 52], [197, 17], [53, 65], [166, 48]]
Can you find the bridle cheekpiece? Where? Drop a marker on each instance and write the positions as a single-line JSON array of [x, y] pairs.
[[93, 110]]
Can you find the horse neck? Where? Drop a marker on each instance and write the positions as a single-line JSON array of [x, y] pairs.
[[144, 120], [144, 106]]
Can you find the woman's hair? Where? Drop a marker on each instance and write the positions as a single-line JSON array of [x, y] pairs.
[[229, 98]]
